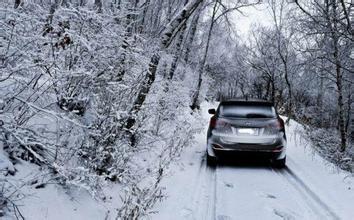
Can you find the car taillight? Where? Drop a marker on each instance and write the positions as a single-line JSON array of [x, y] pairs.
[[220, 124], [212, 122], [278, 124]]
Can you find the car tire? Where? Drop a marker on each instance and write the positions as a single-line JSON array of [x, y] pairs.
[[211, 161], [281, 163]]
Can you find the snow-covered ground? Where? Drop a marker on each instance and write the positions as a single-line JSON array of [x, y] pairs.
[[55, 202], [309, 188]]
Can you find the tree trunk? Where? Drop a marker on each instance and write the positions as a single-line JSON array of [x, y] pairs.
[[165, 40], [177, 53], [273, 92], [339, 78], [193, 30], [290, 105], [195, 98], [177, 50], [320, 102], [348, 116], [145, 88], [267, 90]]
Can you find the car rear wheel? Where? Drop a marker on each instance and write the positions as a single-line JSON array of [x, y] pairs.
[[281, 163], [211, 161]]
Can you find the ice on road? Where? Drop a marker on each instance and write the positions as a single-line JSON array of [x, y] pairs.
[[309, 188]]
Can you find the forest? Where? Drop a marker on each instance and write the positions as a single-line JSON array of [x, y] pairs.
[[108, 92]]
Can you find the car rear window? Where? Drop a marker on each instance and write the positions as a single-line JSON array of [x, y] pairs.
[[247, 111]]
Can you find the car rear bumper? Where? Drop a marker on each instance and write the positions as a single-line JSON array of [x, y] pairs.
[[264, 154], [275, 150]]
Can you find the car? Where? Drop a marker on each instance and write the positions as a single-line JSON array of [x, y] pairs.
[[246, 127]]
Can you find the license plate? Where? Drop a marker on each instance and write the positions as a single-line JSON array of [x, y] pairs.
[[247, 131]]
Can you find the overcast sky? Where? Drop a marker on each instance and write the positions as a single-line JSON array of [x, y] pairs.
[[252, 15]]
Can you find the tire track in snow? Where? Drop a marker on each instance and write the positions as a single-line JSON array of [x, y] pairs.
[[318, 206], [211, 209], [204, 196], [209, 195], [197, 189]]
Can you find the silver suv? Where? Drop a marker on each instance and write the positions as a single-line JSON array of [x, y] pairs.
[[246, 127]]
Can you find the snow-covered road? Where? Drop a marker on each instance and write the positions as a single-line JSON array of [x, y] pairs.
[[309, 188]]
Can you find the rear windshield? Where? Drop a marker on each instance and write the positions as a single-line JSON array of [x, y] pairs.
[[247, 111]]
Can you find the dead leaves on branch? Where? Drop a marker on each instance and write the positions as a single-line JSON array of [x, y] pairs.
[[59, 33]]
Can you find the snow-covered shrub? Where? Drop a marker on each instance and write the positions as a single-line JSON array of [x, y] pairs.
[[69, 78], [62, 79], [166, 126], [326, 142]]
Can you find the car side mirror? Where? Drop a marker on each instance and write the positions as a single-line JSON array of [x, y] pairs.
[[212, 111]]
